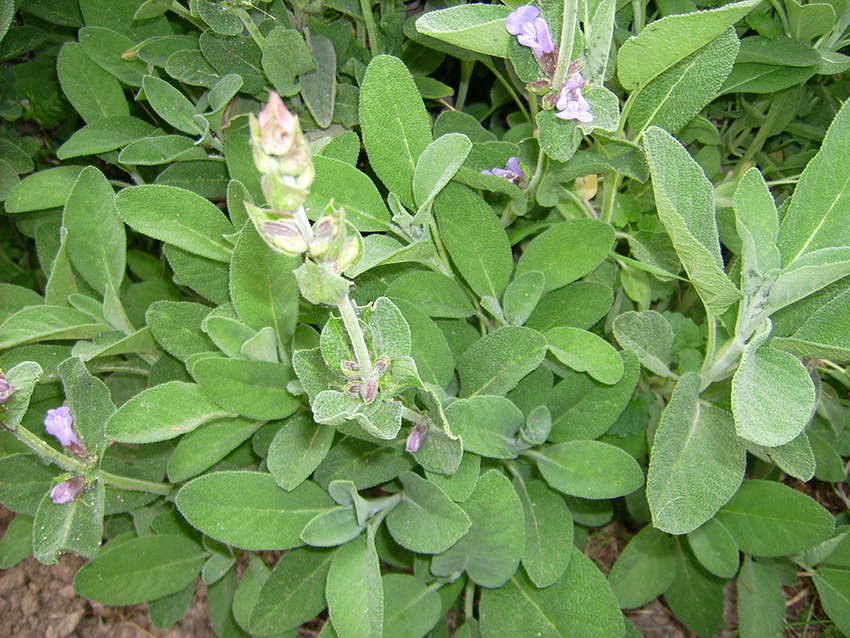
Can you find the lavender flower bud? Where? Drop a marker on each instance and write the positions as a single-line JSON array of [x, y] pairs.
[[352, 249], [353, 390], [6, 389], [325, 232], [60, 424], [416, 436], [278, 229], [381, 365], [512, 172], [370, 390], [68, 490], [351, 370]]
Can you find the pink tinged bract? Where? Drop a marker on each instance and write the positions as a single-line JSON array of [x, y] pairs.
[[60, 424], [571, 104]]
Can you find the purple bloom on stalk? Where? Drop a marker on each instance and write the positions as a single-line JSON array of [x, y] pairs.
[[571, 104], [512, 172], [60, 424], [531, 30], [416, 436], [67, 490], [6, 389]]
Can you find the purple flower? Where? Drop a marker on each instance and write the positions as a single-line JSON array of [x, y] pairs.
[[416, 436], [60, 424], [571, 104], [67, 490], [512, 172], [531, 30], [6, 389]]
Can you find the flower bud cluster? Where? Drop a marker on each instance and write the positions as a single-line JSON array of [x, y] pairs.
[[282, 155], [366, 389], [6, 389]]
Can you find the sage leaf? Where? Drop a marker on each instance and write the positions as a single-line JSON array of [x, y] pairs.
[[644, 570], [356, 612], [396, 128], [685, 201], [495, 364], [140, 570], [584, 351], [697, 462], [491, 550], [650, 335], [426, 521], [479, 28], [761, 602], [297, 450], [69, 527], [248, 509], [487, 425], [589, 469], [579, 605]]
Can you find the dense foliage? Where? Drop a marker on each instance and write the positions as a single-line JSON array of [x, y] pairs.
[[509, 273]]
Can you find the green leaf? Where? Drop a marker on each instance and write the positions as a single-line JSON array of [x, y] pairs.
[[318, 86], [106, 48], [434, 361], [364, 463], [589, 469], [757, 223], [70, 527], [465, 220], [176, 325], [426, 521], [140, 570], [24, 481], [104, 134], [579, 605], [459, 485], [773, 396], [521, 296], [350, 188], [254, 389], [650, 335], [433, 293], [583, 408], [644, 570], [188, 65], [159, 149], [491, 550], [176, 216], [795, 458], [395, 126], [45, 189], [580, 305], [674, 97], [808, 274], [685, 201], [96, 242], [833, 587], [771, 519], [715, 549], [495, 364], [548, 532], [91, 404], [479, 28], [232, 54], [814, 218], [297, 450], [294, 592], [824, 334], [584, 351], [94, 93], [696, 597], [697, 462], [207, 277], [356, 611], [248, 509], [761, 602], [437, 165], [16, 544], [410, 609], [286, 56], [668, 41], [207, 445], [163, 412], [487, 425], [546, 251], [40, 323]]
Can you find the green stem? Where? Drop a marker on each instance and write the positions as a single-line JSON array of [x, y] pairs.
[[252, 29], [180, 10], [565, 51], [410, 415], [355, 334], [510, 89], [469, 599], [538, 173], [609, 195], [465, 77], [371, 30], [137, 485], [638, 9]]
